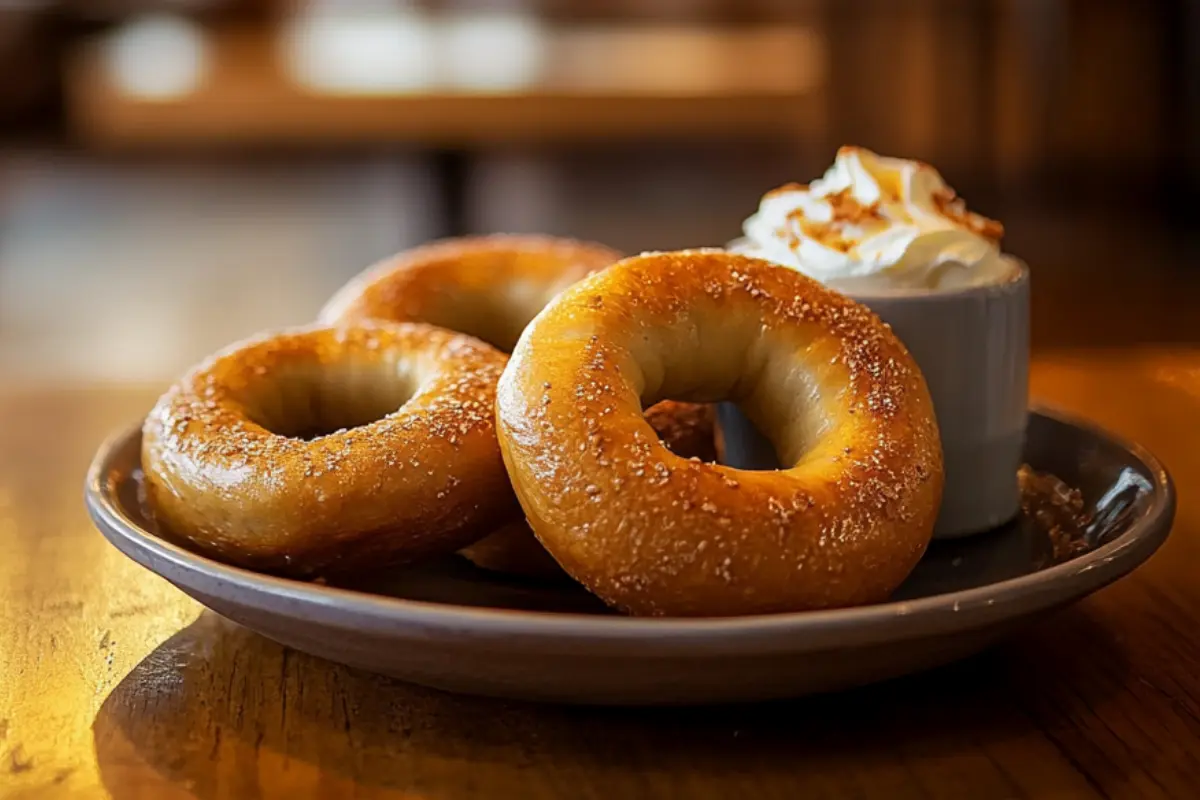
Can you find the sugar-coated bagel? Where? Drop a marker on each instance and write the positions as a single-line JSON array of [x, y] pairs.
[[330, 450], [652, 533], [487, 286]]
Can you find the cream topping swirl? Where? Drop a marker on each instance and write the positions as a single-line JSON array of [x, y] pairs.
[[874, 223]]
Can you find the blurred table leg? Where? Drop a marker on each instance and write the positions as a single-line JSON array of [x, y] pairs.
[[451, 170]]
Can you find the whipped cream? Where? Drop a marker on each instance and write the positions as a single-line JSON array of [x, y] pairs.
[[874, 223]]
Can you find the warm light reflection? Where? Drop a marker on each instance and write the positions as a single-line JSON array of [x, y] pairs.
[[490, 51], [156, 56], [1183, 378], [396, 50], [351, 50], [390, 50], [75, 614]]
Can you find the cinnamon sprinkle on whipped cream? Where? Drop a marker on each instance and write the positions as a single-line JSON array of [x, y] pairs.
[[874, 223]]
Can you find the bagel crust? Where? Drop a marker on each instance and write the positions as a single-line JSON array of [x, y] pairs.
[[487, 286], [655, 534], [412, 469]]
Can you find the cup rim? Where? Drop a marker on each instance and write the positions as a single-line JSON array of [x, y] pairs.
[[1017, 282]]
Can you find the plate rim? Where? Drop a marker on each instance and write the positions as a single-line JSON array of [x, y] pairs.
[[894, 620]]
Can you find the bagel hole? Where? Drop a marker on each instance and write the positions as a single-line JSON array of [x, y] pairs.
[[496, 317], [688, 431], [310, 404], [741, 444], [735, 441], [500, 332], [763, 392]]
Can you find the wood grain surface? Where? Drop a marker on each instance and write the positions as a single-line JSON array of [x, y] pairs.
[[114, 684]]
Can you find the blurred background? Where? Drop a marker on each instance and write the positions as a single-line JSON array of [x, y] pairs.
[[177, 174]]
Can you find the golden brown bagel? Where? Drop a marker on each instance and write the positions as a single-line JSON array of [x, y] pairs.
[[487, 286], [403, 462], [652, 533], [491, 287]]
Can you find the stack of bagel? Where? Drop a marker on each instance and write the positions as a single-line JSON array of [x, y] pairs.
[[542, 406]]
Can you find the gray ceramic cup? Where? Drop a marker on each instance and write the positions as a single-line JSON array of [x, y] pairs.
[[973, 347]]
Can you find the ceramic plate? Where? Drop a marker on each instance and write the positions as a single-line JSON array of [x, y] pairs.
[[451, 626]]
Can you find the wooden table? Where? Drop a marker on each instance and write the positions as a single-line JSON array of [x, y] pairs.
[[112, 683]]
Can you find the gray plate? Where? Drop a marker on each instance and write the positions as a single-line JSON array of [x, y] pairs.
[[450, 626]]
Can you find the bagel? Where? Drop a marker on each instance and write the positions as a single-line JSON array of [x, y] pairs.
[[651, 533], [331, 450], [491, 287]]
